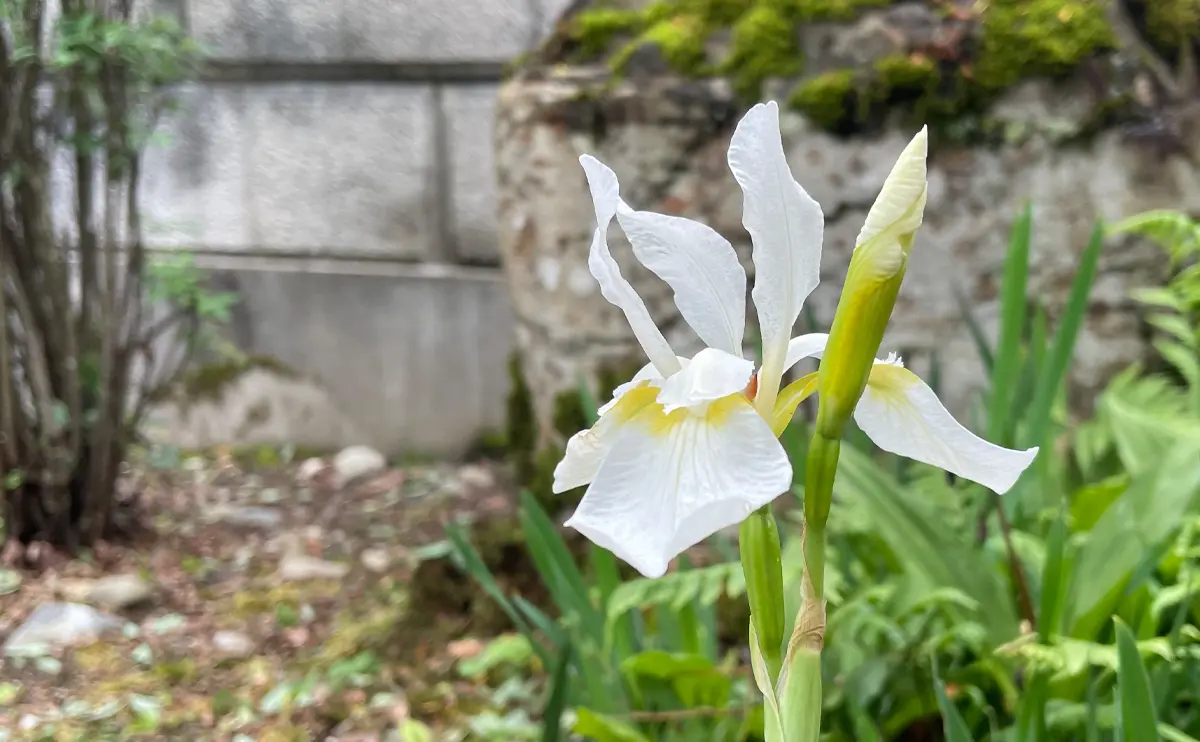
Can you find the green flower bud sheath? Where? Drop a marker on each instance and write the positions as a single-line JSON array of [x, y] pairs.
[[758, 542]]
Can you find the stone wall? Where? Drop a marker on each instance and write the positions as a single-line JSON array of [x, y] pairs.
[[333, 165], [666, 137]]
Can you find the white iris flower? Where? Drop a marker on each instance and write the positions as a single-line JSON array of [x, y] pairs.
[[689, 446]]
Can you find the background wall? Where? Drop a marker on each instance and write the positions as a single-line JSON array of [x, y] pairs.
[[334, 166]]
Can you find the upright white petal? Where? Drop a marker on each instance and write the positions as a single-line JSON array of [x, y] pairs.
[[899, 209], [669, 481], [701, 268], [605, 198], [711, 375], [784, 222], [811, 345], [903, 416]]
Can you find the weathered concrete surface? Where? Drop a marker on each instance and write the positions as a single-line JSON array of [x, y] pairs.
[[469, 112], [333, 169], [406, 359], [667, 141], [294, 30]]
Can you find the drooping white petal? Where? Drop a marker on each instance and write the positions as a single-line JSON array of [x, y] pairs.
[[712, 374], [785, 224], [902, 415], [898, 209], [811, 345], [701, 268], [587, 448], [669, 481], [605, 198]]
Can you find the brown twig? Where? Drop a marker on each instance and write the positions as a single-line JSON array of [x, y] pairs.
[[1024, 597]]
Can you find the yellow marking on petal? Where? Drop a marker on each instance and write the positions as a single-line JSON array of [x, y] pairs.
[[659, 423], [891, 379], [789, 399], [720, 410], [634, 401]]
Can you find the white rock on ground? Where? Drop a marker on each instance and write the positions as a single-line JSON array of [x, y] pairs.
[[260, 518], [356, 462], [309, 469], [114, 592], [298, 567], [232, 644], [53, 625], [375, 559]]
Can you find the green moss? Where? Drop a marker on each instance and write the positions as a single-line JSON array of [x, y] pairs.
[[1027, 38], [764, 44], [827, 10], [1171, 22], [1018, 39], [828, 99], [209, 381], [680, 39], [901, 74], [521, 433], [595, 30], [764, 34]]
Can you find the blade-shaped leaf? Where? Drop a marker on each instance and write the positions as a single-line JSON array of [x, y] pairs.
[[1012, 326], [932, 553], [1135, 703], [1059, 356]]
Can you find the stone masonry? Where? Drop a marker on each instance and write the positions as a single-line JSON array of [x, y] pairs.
[[333, 166], [667, 137]]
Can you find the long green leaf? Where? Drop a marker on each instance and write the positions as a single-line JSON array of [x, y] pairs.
[[1031, 716], [1171, 734], [557, 565], [1053, 371], [478, 571], [556, 704], [1012, 326], [1053, 595], [1135, 707], [986, 355], [1138, 523], [932, 553], [953, 724]]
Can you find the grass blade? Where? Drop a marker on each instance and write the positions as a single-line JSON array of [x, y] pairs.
[[478, 571], [1007, 365], [556, 704], [954, 726], [986, 355], [1031, 715], [1054, 592], [1135, 704], [1059, 356]]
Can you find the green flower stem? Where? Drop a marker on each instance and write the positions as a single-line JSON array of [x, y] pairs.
[[762, 564], [818, 495]]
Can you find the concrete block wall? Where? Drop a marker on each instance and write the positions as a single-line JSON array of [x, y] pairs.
[[333, 165]]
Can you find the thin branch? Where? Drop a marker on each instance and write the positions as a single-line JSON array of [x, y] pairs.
[[1024, 597]]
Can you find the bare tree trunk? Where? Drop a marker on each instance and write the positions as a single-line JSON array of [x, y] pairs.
[[72, 310]]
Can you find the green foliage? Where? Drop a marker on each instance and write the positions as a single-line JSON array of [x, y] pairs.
[[1069, 609], [826, 99], [1023, 38], [1018, 39], [661, 658], [764, 44], [1171, 22], [1174, 309]]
